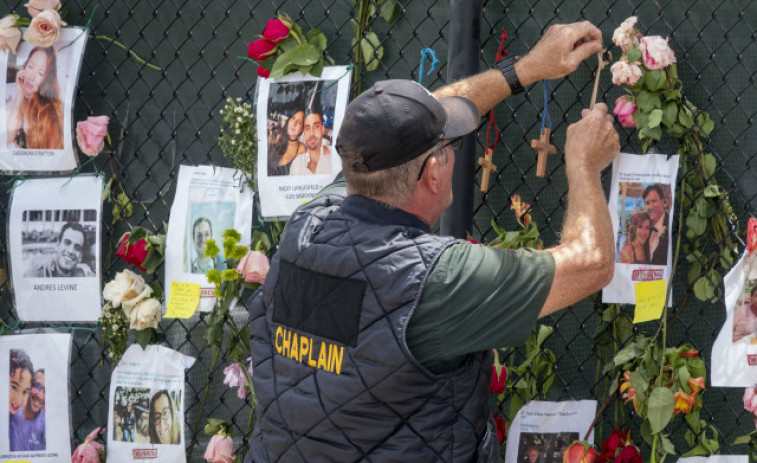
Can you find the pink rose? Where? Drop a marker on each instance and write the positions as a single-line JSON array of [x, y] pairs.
[[751, 235], [276, 30], [220, 449], [624, 73], [260, 49], [90, 134], [656, 53], [90, 451], [750, 400], [10, 35], [253, 267], [45, 29], [624, 109], [624, 36], [34, 7]]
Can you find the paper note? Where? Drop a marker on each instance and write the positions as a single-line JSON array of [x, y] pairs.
[[650, 300], [184, 299]]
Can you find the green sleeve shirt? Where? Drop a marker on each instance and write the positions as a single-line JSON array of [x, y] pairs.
[[478, 298]]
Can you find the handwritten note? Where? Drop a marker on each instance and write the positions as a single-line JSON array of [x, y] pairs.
[[650, 300], [184, 299]]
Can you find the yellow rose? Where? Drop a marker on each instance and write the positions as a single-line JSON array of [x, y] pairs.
[[10, 35], [44, 29]]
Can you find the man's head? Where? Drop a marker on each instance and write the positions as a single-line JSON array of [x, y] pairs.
[[389, 131], [313, 132], [533, 454], [70, 246], [753, 300], [654, 199], [37, 398], [202, 231]]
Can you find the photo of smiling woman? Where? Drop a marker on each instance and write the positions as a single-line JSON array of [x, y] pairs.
[[20, 390], [165, 420], [35, 120]]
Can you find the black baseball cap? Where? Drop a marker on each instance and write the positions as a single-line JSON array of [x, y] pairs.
[[397, 120]]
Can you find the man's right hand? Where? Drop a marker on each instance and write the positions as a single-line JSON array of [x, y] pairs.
[[592, 143]]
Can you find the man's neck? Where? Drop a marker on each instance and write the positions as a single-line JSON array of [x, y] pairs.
[[29, 415]]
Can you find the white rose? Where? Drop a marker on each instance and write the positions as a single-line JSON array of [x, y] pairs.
[[624, 73], [34, 7], [125, 286], [146, 314], [623, 35], [10, 35], [45, 29]]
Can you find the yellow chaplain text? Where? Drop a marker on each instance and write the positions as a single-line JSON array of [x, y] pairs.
[[323, 356]]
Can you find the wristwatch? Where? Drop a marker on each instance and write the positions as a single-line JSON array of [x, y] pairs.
[[506, 65]]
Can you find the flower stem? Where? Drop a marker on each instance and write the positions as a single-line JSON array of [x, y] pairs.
[[204, 400], [131, 52]]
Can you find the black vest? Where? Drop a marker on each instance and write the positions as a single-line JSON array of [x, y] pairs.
[[332, 371]]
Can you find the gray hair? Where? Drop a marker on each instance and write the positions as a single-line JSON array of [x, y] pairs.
[[394, 186]]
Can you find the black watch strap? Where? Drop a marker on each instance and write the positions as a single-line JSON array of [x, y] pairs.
[[506, 65]]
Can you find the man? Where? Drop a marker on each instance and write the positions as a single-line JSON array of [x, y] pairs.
[[371, 338], [533, 454], [27, 427], [657, 205], [68, 254], [202, 231], [317, 158]]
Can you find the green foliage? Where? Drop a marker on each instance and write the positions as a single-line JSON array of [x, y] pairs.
[[532, 378], [299, 52], [366, 45], [115, 329], [148, 336], [122, 207], [215, 426], [238, 139], [527, 237]]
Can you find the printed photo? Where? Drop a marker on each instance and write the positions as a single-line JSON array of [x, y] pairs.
[[644, 217], [206, 221], [130, 414], [36, 123], [26, 426], [165, 415], [745, 316], [59, 243], [300, 127], [544, 447]]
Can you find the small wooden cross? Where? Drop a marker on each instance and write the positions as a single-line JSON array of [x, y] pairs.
[[601, 63], [543, 148], [487, 167]]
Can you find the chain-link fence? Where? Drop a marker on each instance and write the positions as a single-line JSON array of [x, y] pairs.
[[170, 117]]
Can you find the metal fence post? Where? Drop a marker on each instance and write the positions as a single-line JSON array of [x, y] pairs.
[[462, 61]]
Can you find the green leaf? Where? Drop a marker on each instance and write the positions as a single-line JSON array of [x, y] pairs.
[[745, 439], [645, 101], [303, 54], [713, 191], [698, 451], [673, 71], [372, 51], [705, 207], [655, 133], [660, 410], [655, 117], [646, 432], [685, 116], [634, 54], [157, 290], [705, 123], [669, 113], [667, 445], [146, 336], [317, 39], [709, 164], [544, 332], [695, 224], [388, 10], [694, 272], [703, 289], [655, 80]]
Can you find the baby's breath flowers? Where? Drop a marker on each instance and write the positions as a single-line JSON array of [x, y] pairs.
[[238, 139], [115, 328]]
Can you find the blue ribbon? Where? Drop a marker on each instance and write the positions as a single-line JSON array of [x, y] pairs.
[[427, 53]]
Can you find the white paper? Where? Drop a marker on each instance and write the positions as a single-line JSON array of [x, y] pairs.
[[549, 428], [152, 381], [46, 158], [296, 97], [48, 434], [54, 241], [734, 353], [208, 201], [636, 183], [716, 459]]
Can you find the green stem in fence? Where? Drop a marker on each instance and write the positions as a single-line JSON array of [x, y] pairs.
[[204, 400], [128, 50]]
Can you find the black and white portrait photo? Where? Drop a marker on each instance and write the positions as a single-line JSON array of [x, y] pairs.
[[54, 242], [36, 116]]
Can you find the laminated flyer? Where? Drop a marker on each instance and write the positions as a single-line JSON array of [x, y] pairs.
[[208, 200], [39, 427], [54, 244], [36, 120], [146, 406], [641, 209]]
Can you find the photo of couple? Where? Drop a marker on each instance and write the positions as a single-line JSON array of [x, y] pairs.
[[300, 128], [26, 426], [644, 214]]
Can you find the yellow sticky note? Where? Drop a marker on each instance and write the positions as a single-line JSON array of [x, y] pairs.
[[184, 299], [650, 300], [17, 461]]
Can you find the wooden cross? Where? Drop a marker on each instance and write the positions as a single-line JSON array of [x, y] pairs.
[[601, 63], [487, 167], [543, 148]]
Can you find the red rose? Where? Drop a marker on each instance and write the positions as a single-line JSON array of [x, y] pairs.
[[580, 452], [501, 427], [618, 439], [276, 30], [497, 385], [751, 235], [134, 254], [263, 72], [260, 49], [629, 454]]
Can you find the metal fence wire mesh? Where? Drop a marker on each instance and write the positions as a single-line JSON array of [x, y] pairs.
[[170, 117]]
